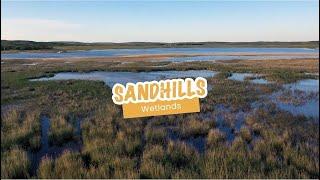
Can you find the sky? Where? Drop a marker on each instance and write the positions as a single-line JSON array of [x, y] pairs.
[[159, 21]]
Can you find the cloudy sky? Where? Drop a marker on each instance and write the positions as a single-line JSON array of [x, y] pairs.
[[160, 21]]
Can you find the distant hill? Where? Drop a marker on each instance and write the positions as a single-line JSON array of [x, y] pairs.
[[24, 45], [65, 45]]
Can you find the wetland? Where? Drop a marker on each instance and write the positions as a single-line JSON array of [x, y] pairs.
[[259, 120]]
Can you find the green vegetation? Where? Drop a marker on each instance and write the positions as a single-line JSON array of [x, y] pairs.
[[270, 143], [24, 45], [20, 128], [60, 131], [15, 164]]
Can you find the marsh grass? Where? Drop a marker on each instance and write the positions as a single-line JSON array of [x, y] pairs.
[[215, 138], [193, 127], [297, 97], [60, 131], [245, 134], [271, 144], [15, 164], [156, 135], [60, 167], [19, 128]]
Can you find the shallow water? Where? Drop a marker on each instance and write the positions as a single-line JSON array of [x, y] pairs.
[[260, 81], [228, 121], [243, 76], [306, 85], [110, 78], [45, 125], [240, 76], [51, 151], [30, 64], [128, 52], [310, 108], [199, 143], [44, 149]]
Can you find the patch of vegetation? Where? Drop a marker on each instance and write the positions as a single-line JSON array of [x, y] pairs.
[[24, 45], [15, 164], [61, 131], [20, 128]]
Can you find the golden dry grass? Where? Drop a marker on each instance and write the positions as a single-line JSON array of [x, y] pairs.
[[298, 64]]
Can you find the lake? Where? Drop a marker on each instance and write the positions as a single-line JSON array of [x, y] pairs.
[[110, 78], [211, 53]]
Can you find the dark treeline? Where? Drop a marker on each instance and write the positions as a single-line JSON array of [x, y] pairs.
[[62, 45], [24, 45]]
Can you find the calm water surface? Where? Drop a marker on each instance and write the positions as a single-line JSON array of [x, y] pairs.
[[186, 51], [110, 78], [243, 76], [306, 85], [311, 107], [240, 76]]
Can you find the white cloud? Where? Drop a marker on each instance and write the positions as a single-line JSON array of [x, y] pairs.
[[38, 29]]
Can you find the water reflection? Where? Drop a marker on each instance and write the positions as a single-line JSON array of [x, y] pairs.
[[291, 53], [306, 95], [254, 78], [110, 78], [306, 85]]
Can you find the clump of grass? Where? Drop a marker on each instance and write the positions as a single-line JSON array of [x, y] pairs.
[[20, 128], [46, 168], [35, 142], [153, 169], [215, 137], [152, 165], [103, 171], [223, 75], [185, 174], [257, 128], [239, 144], [225, 162], [245, 133], [194, 127], [250, 120], [15, 164], [12, 116], [180, 155], [125, 167], [125, 145], [68, 165], [61, 131], [177, 160], [155, 135], [68, 161], [154, 152]]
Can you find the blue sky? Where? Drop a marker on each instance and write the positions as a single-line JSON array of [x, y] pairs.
[[160, 21]]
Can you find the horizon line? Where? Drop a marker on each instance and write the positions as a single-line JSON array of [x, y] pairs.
[[162, 41]]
